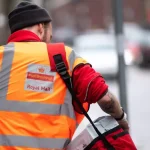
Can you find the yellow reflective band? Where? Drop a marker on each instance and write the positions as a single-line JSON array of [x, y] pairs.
[[1, 56]]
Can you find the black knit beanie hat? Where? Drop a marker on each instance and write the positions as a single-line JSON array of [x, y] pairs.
[[27, 14]]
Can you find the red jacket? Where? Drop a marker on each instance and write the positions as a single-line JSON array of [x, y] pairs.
[[88, 85]]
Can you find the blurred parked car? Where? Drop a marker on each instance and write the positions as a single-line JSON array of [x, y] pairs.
[[134, 37], [137, 41], [100, 51], [143, 52]]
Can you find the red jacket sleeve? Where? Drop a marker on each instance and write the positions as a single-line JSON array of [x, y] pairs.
[[88, 84]]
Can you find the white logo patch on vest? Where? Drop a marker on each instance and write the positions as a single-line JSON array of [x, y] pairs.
[[39, 78]]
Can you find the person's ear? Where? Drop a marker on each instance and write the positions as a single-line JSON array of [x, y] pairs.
[[41, 29]]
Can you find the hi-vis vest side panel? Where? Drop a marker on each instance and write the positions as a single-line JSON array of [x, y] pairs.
[[75, 60], [36, 111]]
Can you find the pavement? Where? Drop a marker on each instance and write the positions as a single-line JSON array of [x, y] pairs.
[[138, 94]]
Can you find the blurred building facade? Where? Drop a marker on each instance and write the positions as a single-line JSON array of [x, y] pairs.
[[95, 13], [82, 15], [71, 17]]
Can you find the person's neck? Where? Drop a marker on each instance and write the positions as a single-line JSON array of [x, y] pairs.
[[33, 30]]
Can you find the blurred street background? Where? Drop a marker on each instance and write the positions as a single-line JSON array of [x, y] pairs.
[[88, 27]]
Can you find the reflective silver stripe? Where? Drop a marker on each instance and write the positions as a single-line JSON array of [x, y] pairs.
[[29, 107], [5, 70], [72, 57], [32, 142], [49, 109], [68, 105]]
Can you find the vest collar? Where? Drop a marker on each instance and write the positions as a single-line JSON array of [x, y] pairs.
[[23, 36]]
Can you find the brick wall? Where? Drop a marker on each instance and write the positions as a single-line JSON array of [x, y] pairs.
[[85, 14]]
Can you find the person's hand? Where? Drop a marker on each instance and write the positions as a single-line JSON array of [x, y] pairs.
[[124, 123]]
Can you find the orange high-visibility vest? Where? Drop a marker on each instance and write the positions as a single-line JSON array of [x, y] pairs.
[[36, 111]]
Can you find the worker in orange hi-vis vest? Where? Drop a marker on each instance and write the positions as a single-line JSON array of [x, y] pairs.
[[36, 110]]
